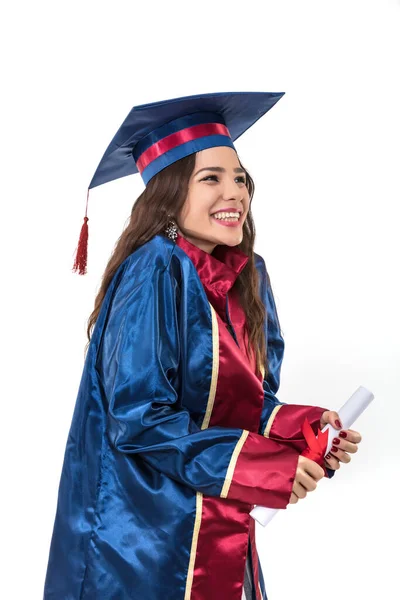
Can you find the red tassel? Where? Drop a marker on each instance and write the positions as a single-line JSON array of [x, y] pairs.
[[82, 249]]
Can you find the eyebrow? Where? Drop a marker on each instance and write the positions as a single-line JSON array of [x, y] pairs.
[[220, 170]]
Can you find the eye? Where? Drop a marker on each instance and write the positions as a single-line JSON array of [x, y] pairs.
[[215, 178], [210, 177]]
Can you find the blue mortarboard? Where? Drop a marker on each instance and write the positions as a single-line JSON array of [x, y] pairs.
[[155, 135]]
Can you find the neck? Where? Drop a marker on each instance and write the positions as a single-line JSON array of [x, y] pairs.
[[205, 245]]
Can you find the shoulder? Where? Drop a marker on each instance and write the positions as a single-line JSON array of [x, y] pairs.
[[261, 270], [137, 280], [160, 254], [259, 262], [156, 258], [154, 254]]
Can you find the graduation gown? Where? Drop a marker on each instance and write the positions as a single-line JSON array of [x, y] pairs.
[[175, 435]]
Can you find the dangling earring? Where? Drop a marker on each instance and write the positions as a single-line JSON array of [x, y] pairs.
[[171, 230]]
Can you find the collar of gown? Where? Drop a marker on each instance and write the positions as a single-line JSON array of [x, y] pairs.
[[217, 271]]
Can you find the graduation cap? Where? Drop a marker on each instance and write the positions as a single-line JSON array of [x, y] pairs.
[[155, 135]]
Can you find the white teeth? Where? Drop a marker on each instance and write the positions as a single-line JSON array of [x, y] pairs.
[[227, 215]]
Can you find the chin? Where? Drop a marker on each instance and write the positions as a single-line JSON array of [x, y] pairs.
[[230, 238], [226, 238]]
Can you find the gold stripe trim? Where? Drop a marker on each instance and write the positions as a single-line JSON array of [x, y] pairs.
[[259, 587], [262, 370], [232, 463], [205, 424], [271, 420], [215, 368], [193, 549]]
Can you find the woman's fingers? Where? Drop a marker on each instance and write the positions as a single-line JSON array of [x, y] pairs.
[[305, 480], [340, 454], [345, 445], [332, 462], [309, 473], [351, 436], [299, 490], [311, 468], [331, 417]]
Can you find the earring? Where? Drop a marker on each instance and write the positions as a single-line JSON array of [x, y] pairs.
[[171, 230]]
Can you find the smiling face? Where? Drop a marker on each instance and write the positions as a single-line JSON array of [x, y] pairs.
[[218, 183]]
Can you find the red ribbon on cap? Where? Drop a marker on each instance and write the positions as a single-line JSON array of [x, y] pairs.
[[317, 445], [178, 138]]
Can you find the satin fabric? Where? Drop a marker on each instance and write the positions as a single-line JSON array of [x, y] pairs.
[[218, 273], [158, 476], [238, 111]]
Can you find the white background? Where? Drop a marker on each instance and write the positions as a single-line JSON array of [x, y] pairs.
[[325, 161]]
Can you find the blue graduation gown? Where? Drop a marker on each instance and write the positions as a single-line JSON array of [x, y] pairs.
[[173, 439]]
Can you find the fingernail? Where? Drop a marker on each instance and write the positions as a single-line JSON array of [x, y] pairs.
[[343, 434], [336, 441], [338, 423], [328, 455], [334, 449]]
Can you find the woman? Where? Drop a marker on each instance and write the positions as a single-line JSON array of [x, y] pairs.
[[177, 431]]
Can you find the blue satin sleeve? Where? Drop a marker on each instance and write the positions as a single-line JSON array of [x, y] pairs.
[[275, 345], [139, 366]]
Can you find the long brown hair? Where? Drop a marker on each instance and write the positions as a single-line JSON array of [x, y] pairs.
[[163, 198]]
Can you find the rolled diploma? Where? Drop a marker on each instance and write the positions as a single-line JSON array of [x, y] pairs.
[[348, 414]]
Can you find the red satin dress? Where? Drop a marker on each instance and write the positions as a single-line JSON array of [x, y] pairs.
[[218, 272]]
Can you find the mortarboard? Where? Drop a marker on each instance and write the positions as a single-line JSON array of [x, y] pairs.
[[155, 135]]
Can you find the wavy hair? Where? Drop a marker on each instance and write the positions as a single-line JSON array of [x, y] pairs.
[[163, 199]]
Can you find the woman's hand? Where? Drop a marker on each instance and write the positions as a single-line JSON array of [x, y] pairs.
[[343, 445], [308, 473]]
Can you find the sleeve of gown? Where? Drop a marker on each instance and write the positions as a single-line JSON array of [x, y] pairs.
[[138, 363], [280, 421]]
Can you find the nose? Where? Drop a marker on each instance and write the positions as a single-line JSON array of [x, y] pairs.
[[231, 190]]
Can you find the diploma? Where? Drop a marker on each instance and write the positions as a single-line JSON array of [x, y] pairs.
[[348, 414]]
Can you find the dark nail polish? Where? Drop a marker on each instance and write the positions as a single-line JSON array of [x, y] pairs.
[[336, 441], [338, 423], [343, 434], [328, 455], [334, 449]]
